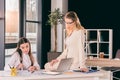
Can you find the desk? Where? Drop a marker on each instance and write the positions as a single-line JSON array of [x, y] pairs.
[[103, 62], [25, 75]]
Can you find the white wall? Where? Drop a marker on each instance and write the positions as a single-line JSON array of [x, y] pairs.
[[63, 5]]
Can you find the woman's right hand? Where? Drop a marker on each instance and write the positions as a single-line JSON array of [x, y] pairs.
[[53, 62], [20, 66]]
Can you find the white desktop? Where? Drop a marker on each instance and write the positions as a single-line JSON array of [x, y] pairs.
[[69, 75]]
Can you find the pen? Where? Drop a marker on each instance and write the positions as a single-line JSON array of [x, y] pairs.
[[31, 71], [9, 66]]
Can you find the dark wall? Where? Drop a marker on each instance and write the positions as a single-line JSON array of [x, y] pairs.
[[99, 14], [46, 7]]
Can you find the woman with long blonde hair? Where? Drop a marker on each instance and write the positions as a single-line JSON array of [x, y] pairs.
[[74, 44]]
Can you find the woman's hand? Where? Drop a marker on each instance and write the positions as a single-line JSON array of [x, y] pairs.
[[20, 66], [53, 62], [32, 68], [84, 69]]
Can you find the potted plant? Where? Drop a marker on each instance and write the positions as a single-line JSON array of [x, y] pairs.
[[55, 18]]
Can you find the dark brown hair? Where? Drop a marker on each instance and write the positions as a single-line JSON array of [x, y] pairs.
[[22, 41]]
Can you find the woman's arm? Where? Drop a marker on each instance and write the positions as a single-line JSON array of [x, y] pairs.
[[82, 57], [63, 55], [37, 67], [13, 62]]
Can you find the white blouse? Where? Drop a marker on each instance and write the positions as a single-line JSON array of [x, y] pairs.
[[75, 49], [15, 61]]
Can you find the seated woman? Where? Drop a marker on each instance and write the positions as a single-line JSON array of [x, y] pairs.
[[22, 58]]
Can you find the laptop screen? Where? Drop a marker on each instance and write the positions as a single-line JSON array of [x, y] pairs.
[[64, 64]]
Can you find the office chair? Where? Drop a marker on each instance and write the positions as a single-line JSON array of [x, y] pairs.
[[116, 73], [118, 54]]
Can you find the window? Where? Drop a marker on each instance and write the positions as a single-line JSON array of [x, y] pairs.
[[31, 34], [32, 23], [12, 21], [11, 27]]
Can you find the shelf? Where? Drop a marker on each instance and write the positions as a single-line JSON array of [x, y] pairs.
[[99, 40]]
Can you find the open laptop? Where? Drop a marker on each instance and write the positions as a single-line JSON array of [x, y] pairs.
[[64, 65]]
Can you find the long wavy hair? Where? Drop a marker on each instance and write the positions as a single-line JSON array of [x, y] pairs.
[[22, 41]]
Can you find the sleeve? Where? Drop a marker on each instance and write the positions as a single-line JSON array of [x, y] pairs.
[[82, 57], [63, 54], [36, 64], [13, 62]]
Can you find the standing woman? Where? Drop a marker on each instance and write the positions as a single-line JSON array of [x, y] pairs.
[[22, 58], [74, 44]]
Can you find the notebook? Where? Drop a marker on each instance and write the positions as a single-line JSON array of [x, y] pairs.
[[64, 65]]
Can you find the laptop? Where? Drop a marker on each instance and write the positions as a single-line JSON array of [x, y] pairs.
[[63, 66]]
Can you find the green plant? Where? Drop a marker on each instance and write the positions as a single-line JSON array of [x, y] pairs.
[[55, 18]]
